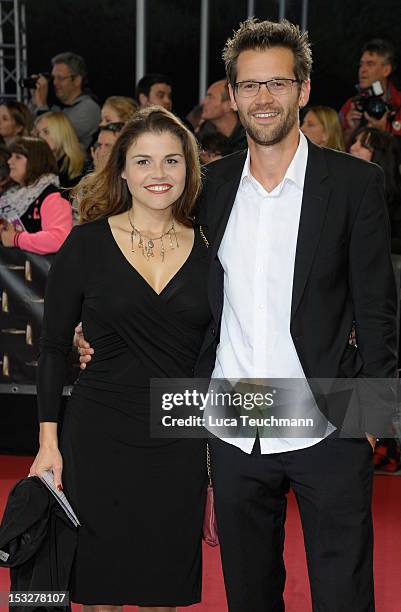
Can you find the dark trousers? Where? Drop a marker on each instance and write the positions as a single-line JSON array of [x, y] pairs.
[[332, 482]]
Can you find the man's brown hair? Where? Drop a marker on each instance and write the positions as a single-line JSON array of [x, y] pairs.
[[260, 35]]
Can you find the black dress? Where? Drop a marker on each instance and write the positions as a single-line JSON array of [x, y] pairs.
[[140, 500]]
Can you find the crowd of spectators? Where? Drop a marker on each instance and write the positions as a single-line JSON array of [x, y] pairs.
[[64, 133], [76, 135], [376, 65]]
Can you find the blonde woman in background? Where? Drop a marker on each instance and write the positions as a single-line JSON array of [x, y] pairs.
[[322, 126], [118, 109], [57, 130]]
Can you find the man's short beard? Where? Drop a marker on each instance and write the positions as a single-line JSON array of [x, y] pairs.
[[272, 135]]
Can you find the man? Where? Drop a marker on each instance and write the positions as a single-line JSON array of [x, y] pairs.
[[296, 234], [101, 150], [213, 146], [377, 63], [154, 89], [69, 77], [299, 249], [216, 110]]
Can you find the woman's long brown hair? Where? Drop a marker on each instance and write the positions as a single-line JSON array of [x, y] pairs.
[[105, 193]]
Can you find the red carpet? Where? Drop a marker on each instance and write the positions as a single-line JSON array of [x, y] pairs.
[[387, 518]]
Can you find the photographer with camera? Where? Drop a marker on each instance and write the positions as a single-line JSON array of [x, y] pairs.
[[69, 77], [378, 102]]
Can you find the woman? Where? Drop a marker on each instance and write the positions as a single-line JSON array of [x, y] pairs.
[[15, 120], [322, 126], [59, 133], [118, 109], [5, 181], [135, 273], [39, 218], [381, 148]]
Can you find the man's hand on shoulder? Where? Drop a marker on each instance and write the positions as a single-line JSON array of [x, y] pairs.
[[84, 348]]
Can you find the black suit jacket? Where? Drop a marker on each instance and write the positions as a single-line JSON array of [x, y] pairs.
[[39, 542], [343, 270]]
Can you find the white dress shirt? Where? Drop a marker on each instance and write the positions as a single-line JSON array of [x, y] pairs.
[[257, 253]]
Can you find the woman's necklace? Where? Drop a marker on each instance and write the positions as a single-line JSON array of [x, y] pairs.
[[147, 244]]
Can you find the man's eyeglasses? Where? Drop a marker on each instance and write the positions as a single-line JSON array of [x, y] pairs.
[[62, 78], [276, 87], [115, 126], [99, 145]]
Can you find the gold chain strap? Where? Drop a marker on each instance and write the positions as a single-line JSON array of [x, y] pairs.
[[209, 471], [202, 233]]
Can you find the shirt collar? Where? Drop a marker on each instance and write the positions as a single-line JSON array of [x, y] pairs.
[[295, 171]]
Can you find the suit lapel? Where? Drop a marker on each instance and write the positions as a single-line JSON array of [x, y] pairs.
[[313, 212], [225, 193], [221, 200]]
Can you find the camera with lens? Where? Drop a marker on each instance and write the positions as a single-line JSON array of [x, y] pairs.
[[370, 101], [30, 82]]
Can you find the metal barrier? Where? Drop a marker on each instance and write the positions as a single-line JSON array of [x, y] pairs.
[[22, 285]]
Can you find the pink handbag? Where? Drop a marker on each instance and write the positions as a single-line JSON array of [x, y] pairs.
[[210, 534]]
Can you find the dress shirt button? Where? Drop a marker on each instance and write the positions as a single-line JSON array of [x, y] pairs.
[[260, 306]]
